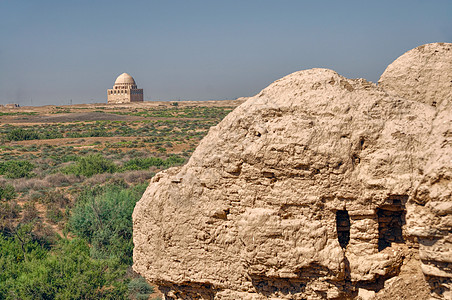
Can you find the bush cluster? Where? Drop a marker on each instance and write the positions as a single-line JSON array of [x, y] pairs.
[[21, 134], [93, 264], [93, 164], [104, 219], [7, 192], [90, 165], [29, 271], [16, 168], [147, 162], [140, 288]]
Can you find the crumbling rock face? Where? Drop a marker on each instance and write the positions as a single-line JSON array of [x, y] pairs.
[[319, 187], [423, 74]]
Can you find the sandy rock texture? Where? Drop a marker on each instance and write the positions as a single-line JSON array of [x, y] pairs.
[[319, 187], [423, 74]]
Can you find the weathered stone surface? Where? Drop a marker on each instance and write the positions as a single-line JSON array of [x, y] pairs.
[[252, 215], [423, 74]]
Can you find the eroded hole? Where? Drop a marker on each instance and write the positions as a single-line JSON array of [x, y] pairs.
[[343, 227], [390, 221]]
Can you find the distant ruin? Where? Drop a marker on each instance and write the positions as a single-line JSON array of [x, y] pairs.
[[124, 90], [10, 105], [318, 187]]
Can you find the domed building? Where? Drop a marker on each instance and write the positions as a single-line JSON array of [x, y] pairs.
[[124, 90]]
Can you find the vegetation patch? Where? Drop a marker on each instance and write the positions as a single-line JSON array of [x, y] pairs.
[[16, 168], [147, 162], [103, 217], [7, 192], [21, 134], [90, 165], [30, 271], [68, 189]]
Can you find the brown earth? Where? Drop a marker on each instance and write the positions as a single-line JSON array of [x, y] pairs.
[[67, 117], [130, 107], [86, 113]]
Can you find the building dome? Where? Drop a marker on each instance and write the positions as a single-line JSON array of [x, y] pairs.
[[124, 78], [124, 90]]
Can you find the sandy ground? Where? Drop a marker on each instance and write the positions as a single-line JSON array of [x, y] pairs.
[[90, 112]]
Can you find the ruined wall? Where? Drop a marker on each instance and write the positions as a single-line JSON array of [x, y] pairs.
[[319, 187], [422, 74], [425, 75]]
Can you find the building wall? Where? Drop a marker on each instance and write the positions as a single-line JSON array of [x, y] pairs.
[[117, 96], [136, 95], [124, 95]]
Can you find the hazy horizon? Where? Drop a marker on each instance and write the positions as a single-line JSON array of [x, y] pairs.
[[55, 52]]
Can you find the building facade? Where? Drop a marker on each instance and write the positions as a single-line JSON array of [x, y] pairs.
[[124, 90]]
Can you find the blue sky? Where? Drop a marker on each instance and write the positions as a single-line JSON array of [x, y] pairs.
[[52, 52]]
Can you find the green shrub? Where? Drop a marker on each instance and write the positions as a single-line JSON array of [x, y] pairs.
[[139, 288], [7, 192], [142, 163], [16, 168], [96, 132], [9, 211], [54, 215], [50, 135], [174, 160], [146, 163], [55, 198], [68, 272], [103, 216], [29, 212], [20, 134], [90, 165]]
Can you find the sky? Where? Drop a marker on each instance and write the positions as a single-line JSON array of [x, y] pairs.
[[63, 52]]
